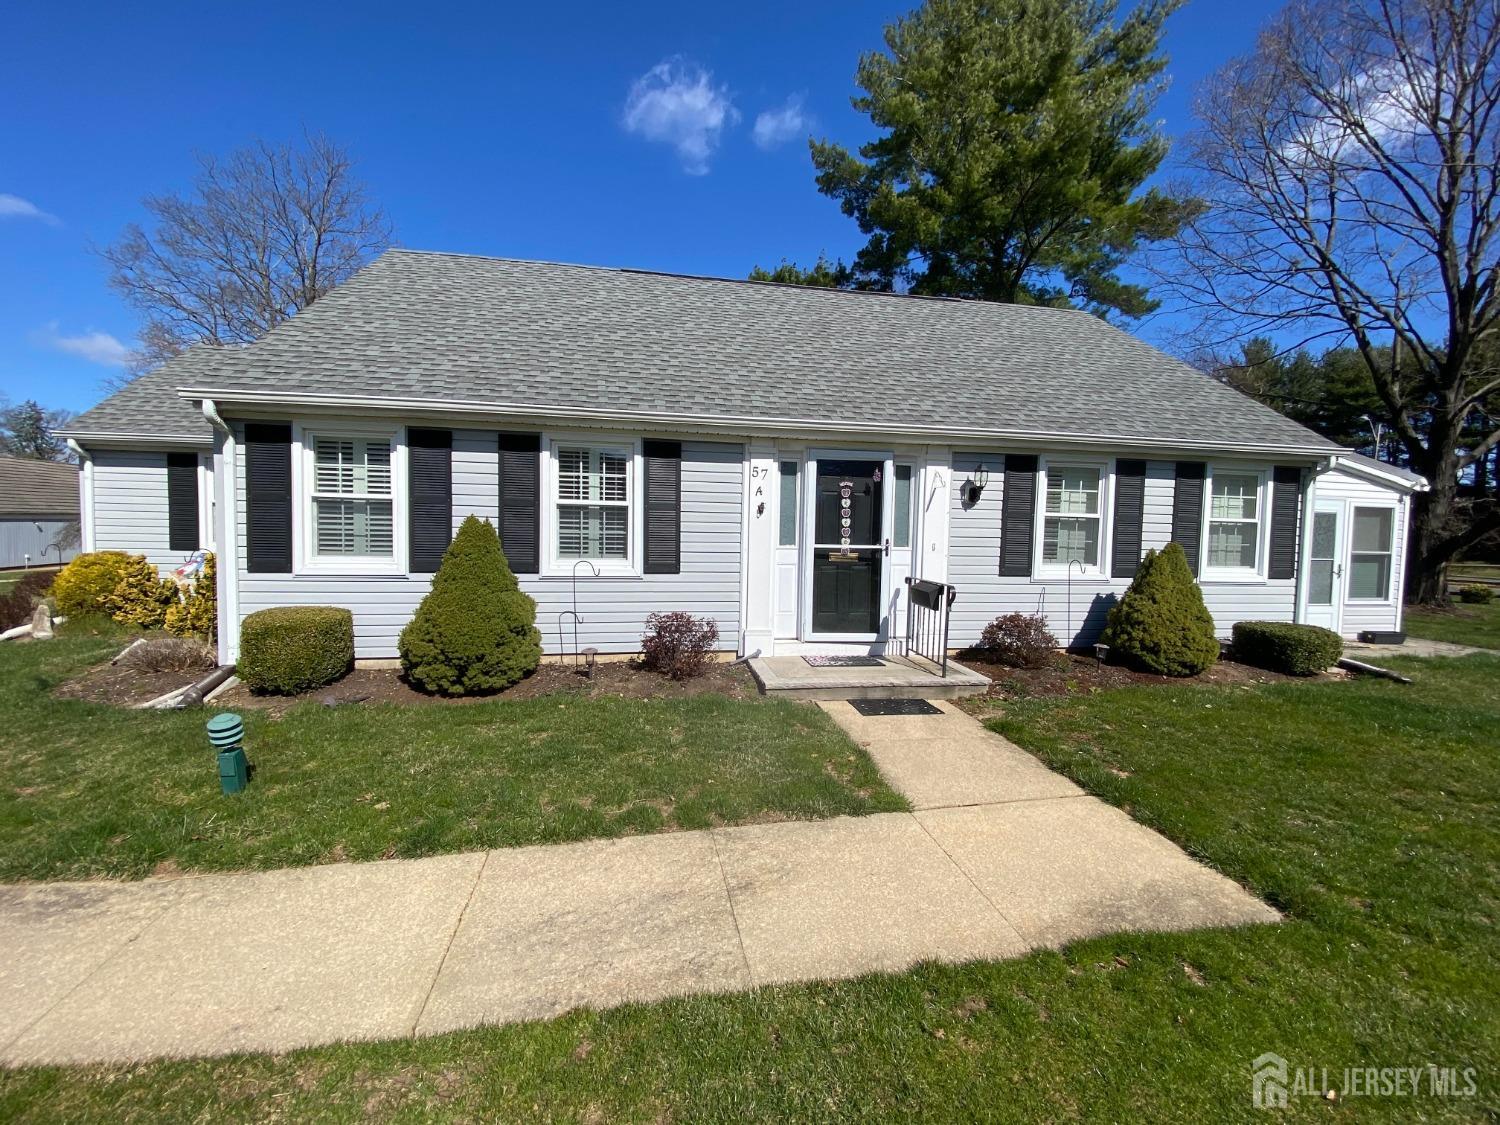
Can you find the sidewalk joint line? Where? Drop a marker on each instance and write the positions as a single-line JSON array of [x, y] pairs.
[[448, 946], [962, 871], [713, 837]]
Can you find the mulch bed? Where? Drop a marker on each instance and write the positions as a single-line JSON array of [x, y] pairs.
[[621, 679], [1078, 674], [124, 685]]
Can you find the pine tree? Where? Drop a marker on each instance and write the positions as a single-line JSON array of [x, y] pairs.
[[1161, 624]]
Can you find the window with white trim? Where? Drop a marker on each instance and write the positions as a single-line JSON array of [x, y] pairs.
[[593, 498], [1235, 516], [353, 497], [1072, 517], [1370, 554]]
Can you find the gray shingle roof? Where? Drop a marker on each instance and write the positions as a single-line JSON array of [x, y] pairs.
[[150, 406], [518, 335], [35, 488], [1360, 460]]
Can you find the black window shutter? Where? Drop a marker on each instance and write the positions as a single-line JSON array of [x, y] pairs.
[[268, 497], [1130, 510], [1286, 504], [521, 501], [1017, 515], [182, 502], [429, 490], [1187, 510], [663, 553]]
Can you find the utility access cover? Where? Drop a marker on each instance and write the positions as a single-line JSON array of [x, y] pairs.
[[894, 707]]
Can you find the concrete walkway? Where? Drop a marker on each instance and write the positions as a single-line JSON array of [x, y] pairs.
[[1412, 646], [999, 857]]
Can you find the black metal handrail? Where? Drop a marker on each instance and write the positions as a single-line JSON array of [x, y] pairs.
[[928, 606]]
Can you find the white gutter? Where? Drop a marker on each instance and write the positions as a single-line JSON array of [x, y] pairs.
[[227, 483], [800, 427], [85, 496], [133, 436]]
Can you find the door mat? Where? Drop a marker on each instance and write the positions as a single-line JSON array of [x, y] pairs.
[[844, 661], [894, 707]]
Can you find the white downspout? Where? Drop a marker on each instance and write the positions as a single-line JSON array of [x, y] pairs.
[[226, 481], [85, 497]]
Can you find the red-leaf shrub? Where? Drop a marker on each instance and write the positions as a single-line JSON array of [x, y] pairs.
[[1018, 640], [678, 644]]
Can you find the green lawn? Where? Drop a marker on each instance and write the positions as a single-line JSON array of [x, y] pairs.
[[87, 790], [1477, 625], [1366, 810]]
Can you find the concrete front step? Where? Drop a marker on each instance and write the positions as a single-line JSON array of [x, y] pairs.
[[791, 677]]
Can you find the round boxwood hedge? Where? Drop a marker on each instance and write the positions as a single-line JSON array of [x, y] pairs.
[[1280, 646], [292, 649]]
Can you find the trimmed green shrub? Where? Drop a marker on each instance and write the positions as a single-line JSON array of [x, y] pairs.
[[1281, 646], [1476, 593], [85, 587], [196, 613], [20, 601], [1161, 624], [1018, 640], [475, 632], [295, 648], [677, 644], [142, 596]]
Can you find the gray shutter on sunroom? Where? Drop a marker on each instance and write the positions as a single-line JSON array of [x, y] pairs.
[[429, 491], [521, 501], [268, 497], [182, 502], [1187, 510], [1017, 515], [663, 547], [1286, 506], [1130, 511]]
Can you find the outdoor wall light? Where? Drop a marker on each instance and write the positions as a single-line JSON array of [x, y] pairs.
[[974, 486]]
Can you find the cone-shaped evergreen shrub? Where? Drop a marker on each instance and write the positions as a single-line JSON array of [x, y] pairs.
[[1161, 624], [475, 632]]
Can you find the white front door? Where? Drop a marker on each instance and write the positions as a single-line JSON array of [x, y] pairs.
[[1325, 566]]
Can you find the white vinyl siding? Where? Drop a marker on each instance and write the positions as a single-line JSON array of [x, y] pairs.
[[973, 563], [613, 609], [130, 505]]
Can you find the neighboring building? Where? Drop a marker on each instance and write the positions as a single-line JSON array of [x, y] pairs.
[[653, 442], [38, 512]]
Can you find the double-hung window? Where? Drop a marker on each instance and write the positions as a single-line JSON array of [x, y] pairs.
[[594, 493], [1235, 516], [1370, 554], [352, 498], [1072, 517]]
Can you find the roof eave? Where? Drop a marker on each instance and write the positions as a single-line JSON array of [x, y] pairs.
[[1396, 480], [136, 438], [727, 424]]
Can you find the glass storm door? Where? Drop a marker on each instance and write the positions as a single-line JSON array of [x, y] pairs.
[[1325, 567], [848, 549]]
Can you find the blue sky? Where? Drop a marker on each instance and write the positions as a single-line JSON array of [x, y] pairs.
[[665, 136]]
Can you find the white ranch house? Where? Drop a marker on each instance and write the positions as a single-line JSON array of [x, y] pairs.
[[653, 442]]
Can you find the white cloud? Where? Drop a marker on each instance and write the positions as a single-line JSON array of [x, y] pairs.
[[677, 103], [775, 127], [96, 347], [14, 207]]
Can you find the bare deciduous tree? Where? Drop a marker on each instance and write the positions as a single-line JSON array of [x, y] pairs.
[[264, 233], [1350, 188]]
